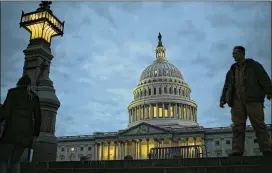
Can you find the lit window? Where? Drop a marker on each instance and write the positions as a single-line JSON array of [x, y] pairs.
[[72, 149]]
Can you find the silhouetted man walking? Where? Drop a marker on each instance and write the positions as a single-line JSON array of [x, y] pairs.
[[22, 115], [244, 91]]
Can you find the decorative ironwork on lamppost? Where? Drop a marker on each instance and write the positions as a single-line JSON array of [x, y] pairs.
[[42, 24]]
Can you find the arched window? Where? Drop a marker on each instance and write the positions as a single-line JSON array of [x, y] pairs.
[[145, 92], [165, 90], [141, 93], [149, 91], [160, 90], [175, 91], [179, 92], [154, 91], [170, 90]]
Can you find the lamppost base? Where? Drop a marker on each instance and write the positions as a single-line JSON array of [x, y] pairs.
[[45, 148]]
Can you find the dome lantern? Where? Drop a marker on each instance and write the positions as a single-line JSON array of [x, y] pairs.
[[160, 50]]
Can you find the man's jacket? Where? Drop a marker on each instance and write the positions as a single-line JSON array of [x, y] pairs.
[[256, 80], [23, 117]]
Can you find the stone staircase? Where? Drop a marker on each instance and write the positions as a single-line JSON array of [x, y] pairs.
[[205, 165]]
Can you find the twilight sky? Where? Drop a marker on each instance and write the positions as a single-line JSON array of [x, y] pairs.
[[106, 46]]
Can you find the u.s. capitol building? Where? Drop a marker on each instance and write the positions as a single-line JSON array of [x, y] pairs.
[[162, 114]]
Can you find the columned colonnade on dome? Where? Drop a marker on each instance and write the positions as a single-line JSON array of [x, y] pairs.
[[163, 110], [139, 148]]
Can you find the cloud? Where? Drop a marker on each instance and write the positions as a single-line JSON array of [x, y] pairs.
[[106, 46]]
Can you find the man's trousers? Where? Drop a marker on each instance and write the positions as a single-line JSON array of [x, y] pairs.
[[254, 111]]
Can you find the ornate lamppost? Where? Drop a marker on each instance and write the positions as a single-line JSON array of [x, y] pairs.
[[43, 25]]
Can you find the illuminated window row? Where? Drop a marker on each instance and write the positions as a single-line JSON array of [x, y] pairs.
[[144, 92], [177, 111]]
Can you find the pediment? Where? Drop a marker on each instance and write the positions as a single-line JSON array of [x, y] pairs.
[[143, 129]]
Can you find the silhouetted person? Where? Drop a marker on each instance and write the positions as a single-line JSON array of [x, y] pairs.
[[245, 88], [22, 114]]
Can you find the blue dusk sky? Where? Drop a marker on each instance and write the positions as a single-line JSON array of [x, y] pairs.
[[106, 46]]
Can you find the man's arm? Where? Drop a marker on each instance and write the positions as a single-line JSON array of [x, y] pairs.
[[225, 89], [37, 118], [263, 79]]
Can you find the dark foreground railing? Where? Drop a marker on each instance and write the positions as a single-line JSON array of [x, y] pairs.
[[181, 152]]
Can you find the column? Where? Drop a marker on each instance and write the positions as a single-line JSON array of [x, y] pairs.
[[98, 154], [129, 116], [157, 111], [181, 109], [136, 149], [169, 110], [142, 112], [102, 151], [203, 147], [170, 142], [194, 154], [186, 107], [147, 146], [151, 111], [163, 116], [191, 112], [122, 150], [175, 111], [140, 148], [144, 108], [188, 112], [162, 142], [119, 150], [133, 149], [108, 151], [115, 152], [137, 113], [133, 114], [126, 148], [179, 113]]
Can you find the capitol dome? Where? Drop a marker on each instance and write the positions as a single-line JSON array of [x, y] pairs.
[[162, 97], [161, 68]]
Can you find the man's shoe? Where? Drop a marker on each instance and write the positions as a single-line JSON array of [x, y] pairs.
[[267, 153], [236, 154]]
